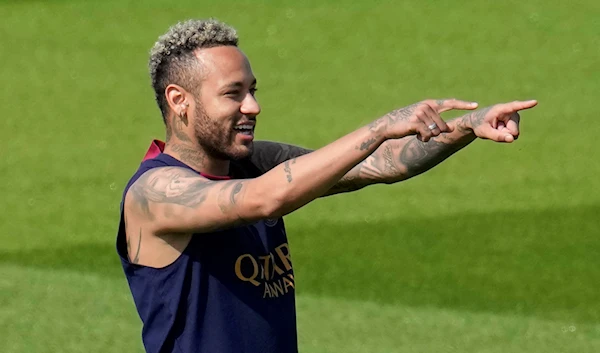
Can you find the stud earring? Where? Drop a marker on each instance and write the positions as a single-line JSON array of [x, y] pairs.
[[182, 111]]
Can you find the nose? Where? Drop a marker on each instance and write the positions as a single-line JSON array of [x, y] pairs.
[[250, 106]]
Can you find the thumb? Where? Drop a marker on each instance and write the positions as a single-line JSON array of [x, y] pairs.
[[488, 132]]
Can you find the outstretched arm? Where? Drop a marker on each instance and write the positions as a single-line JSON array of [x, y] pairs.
[[398, 160], [401, 159], [175, 200], [393, 161]]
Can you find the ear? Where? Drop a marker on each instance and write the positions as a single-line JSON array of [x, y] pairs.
[[176, 98]]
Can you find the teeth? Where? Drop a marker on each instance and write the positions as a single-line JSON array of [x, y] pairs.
[[244, 127]]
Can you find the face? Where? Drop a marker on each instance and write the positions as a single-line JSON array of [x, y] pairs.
[[225, 110]]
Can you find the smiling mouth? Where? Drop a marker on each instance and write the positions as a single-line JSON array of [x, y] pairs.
[[245, 129]]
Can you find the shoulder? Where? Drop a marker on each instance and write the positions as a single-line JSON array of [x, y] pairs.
[[170, 174], [268, 154], [162, 183]]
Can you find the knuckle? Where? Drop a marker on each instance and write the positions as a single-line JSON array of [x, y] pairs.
[[425, 104]]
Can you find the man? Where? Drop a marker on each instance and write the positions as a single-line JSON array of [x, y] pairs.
[[201, 238]]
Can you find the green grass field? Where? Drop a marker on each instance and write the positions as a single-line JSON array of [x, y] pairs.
[[495, 250]]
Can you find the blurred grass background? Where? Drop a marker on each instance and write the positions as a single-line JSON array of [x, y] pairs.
[[495, 250]]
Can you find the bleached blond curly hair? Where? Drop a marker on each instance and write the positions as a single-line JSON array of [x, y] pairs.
[[172, 59]]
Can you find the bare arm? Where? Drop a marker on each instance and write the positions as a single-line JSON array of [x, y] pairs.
[[401, 159], [393, 161], [176, 200]]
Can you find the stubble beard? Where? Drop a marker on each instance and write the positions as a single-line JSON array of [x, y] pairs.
[[218, 139]]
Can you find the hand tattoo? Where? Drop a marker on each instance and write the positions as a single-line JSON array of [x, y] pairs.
[[476, 118], [380, 125]]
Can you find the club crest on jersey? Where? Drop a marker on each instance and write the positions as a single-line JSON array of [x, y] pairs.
[[271, 222]]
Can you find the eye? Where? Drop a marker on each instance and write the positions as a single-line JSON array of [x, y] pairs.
[[253, 90], [232, 93]]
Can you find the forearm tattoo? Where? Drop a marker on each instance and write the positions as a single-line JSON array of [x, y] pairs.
[[393, 161], [418, 156], [288, 170], [367, 144], [401, 159]]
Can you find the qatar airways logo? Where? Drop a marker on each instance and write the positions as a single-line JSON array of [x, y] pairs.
[[272, 272]]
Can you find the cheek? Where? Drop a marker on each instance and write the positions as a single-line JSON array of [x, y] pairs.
[[226, 109], [221, 115]]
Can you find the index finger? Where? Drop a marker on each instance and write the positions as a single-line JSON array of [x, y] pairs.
[[443, 105], [515, 106]]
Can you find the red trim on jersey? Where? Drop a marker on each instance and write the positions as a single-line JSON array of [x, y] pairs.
[[157, 147], [215, 177]]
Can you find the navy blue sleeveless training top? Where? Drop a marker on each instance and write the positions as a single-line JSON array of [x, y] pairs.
[[229, 291]]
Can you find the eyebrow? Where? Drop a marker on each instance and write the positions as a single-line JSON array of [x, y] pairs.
[[237, 84]]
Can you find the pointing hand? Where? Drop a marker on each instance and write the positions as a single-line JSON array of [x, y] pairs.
[[499, 122]]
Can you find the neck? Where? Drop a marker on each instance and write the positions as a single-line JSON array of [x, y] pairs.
[[197, 158]]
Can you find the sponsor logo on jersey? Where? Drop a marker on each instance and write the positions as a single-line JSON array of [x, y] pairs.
[[272, 272]]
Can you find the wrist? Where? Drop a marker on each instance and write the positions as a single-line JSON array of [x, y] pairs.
[[462, 124], [378, 129]]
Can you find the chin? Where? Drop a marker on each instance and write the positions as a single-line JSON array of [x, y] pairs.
[[241, 151]]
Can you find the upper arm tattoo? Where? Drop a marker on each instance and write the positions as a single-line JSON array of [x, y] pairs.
[[228, 195], [178, 186]]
